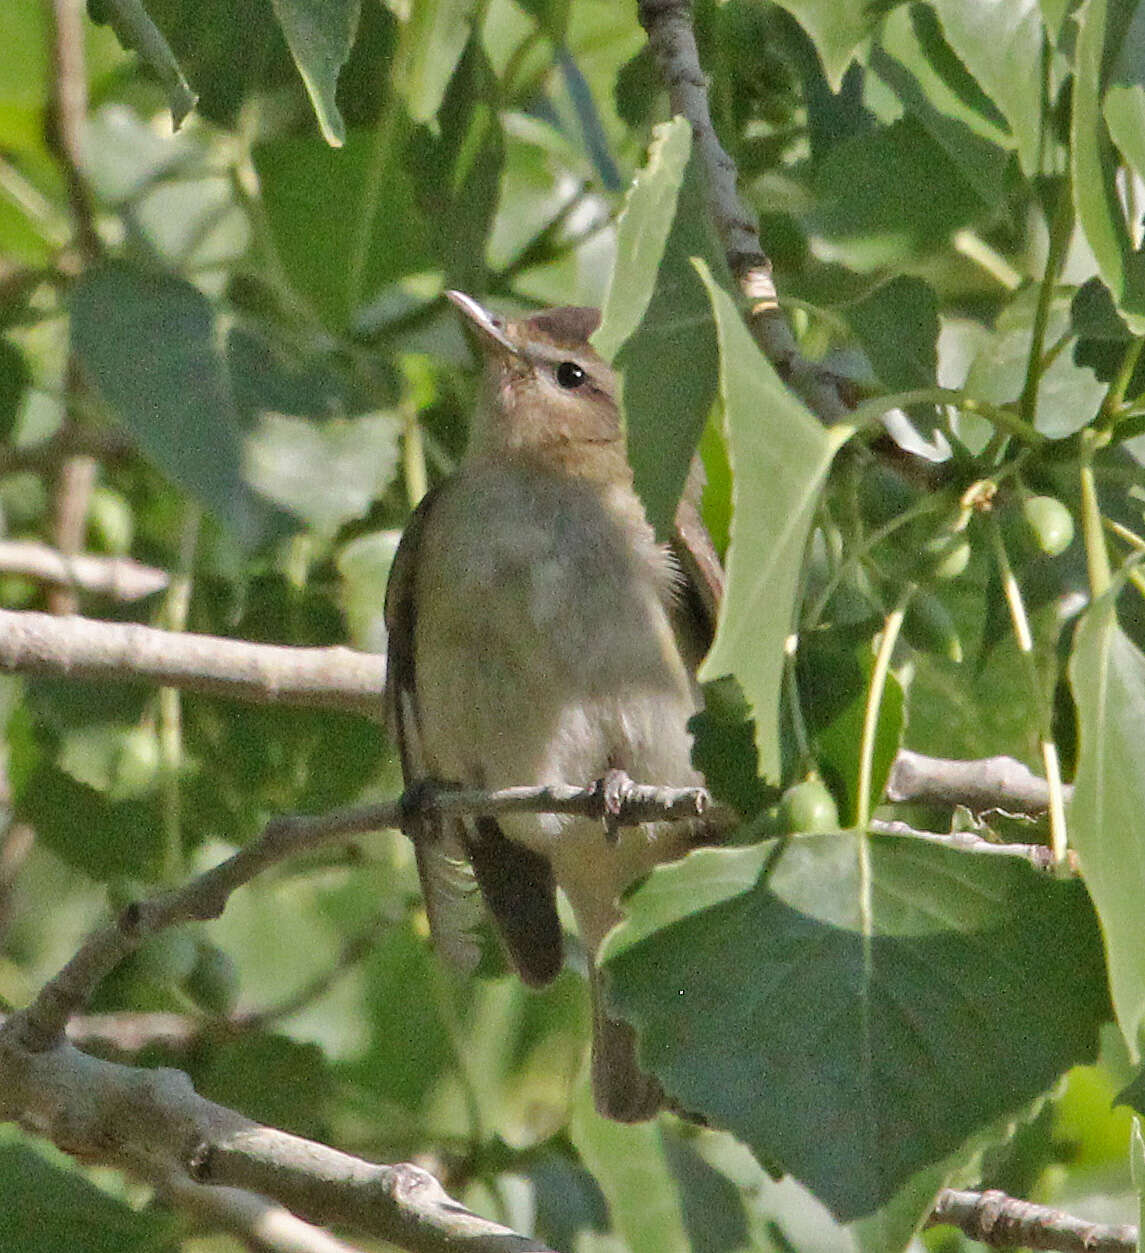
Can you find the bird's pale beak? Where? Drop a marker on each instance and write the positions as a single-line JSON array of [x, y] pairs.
[[490, 329]]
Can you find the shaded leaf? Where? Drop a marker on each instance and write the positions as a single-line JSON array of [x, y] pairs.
[[138, 33], [856, 1007], [631, 1166], [1001, 43], [837, 28], [175, 397], [320, 34], [310, 193], [1093, 169], [50, 1205]]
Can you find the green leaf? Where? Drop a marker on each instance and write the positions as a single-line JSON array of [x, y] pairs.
[[779, 456], [324, 473], [311, 194], [320, 34], [855, 1007], [1107, 813], [147, 343], [632, 1168], [1093, 162], [837, 28], [656, 326], [1000, 42], [50, 1205], [897, 324], [103, 838], [1124, 105], [906, 186], [724, 749], [1068, 394], [138, 33], [433, 38]]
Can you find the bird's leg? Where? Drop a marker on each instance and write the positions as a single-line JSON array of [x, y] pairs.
[[611, 791]]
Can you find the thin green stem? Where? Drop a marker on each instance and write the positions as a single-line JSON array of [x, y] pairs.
[[170, 730], [1060, 230], [920, 508], [1025, 640], [870, 411], [875, 691], [1096, 554]]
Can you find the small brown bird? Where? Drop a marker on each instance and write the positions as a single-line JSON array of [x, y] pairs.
[[533, 639]]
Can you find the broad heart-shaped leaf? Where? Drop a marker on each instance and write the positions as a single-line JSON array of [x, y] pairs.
[[147, 342], [657, 323], [779, 456], [1000, 42], [1107, 813], [320, 34], [1096, 198], [855, 1007]]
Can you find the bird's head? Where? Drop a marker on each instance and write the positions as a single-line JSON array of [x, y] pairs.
[[547, 393]]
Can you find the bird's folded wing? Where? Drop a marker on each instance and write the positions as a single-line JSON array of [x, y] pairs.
[[449, 888]]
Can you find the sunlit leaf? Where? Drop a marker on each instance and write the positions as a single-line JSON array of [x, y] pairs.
[[1107, 813], [779, 456], [657, 327]]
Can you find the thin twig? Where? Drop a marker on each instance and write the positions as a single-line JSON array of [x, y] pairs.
[[673, 43], [1040, 856], [1004, 1222], [121, 578]]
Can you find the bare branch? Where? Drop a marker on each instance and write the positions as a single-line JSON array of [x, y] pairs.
[[673, 43], [1003, 1222], [80, 648], [981, 785], [153, 1123], [118, 577]]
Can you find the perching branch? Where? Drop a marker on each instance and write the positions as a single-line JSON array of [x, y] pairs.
[[1003, 1222], [351, 682]]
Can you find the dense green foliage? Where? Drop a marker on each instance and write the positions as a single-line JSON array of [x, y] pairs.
[[951, 195]]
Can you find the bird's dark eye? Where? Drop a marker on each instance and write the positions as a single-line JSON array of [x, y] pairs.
[[570, 375]]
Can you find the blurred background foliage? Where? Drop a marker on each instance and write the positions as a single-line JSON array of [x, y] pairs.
[[238, 328]]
